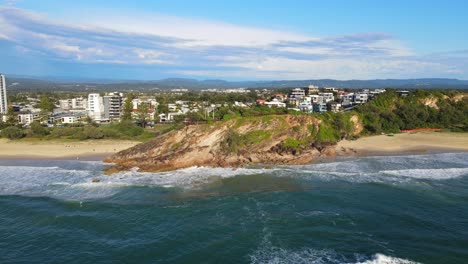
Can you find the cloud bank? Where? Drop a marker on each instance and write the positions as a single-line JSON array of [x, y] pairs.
[[211, 49]]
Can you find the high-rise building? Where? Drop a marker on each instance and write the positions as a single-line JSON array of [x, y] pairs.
[[112, 105], [95, 106], [3, 95]]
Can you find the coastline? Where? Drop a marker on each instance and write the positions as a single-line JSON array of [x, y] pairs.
[[61, 150], [404, 144], [381, 145]]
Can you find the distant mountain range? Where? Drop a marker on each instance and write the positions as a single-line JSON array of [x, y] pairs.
[[51, 83]]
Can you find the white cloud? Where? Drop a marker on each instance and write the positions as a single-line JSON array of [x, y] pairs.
[[215, 49]]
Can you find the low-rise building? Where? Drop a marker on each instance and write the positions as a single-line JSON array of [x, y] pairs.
[[320, 108], [27, 118], [275, 103], [297, 93], [361, 98], [306, 107], [334, 107], [327, 97]]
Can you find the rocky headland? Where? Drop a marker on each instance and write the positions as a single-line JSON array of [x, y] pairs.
[[267, 140]]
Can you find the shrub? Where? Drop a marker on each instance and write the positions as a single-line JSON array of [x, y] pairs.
[[38, 130], [12, 132]]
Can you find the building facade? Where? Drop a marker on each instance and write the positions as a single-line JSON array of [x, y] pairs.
[[95, 106], [113, 106], [3, 95]]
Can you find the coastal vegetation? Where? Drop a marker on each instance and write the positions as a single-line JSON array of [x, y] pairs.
[[390, 113]]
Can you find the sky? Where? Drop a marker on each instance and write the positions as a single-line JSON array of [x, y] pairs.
[[235, 40]]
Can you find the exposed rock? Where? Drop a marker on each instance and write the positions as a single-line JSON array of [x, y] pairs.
[[234, 143]]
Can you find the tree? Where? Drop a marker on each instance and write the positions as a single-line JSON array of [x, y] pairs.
[[143, 115], [11, 117], [12, 132], [37, 129], [127, 108], [163, 108], [45, 104]]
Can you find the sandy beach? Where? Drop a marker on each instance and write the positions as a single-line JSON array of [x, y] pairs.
[[90, 149], [421, 142]]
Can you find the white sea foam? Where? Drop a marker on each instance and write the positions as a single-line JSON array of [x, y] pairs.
[[78, 184], [383, 259], [276, 255], [434, 174], [73, 179]]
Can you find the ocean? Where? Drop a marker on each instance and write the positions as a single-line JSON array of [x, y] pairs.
[[397, 209]]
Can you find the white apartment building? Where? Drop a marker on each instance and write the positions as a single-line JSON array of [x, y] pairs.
[[297, 93], [275, 103], [327, 97], [27, 119], [3, 95], [361, 98], [73, 104], [152, 103], [95, 106]]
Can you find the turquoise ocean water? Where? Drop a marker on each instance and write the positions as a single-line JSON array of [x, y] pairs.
[[400, 209]]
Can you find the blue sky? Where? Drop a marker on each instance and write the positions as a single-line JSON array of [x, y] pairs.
[[234, 40]]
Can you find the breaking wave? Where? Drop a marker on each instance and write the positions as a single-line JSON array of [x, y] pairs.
[[74, 179]]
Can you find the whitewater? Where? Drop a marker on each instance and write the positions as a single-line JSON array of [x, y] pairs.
[[389, 209]]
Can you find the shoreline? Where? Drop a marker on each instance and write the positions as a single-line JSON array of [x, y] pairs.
[[88, 150], [382, 145], [404, 144]]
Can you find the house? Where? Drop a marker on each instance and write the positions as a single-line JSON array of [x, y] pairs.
[[297, 93], [334, 107], [280, 97], [306, 107], [172, 107], [361, 98], [315, 98], [311, 89], [402, 93], [260, 102], [327, 97], [320, 108], [275, 103], [331, 89], [239, 104]]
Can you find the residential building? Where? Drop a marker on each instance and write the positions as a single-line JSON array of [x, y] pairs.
[[361, 98], [66, 118], [275, 103], [334, 107], [315, 98], [112, 105], [95, 107], [280, 97], [311, 89], [327, 97], [151, 102], [297, 93], [74, 103], [320, 108], [260, 101], [306, 106], [402, 93], [330, 89], [27, 118], [3, 95]]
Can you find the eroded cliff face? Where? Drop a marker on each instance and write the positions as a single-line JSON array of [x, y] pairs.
[[257, 140]]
